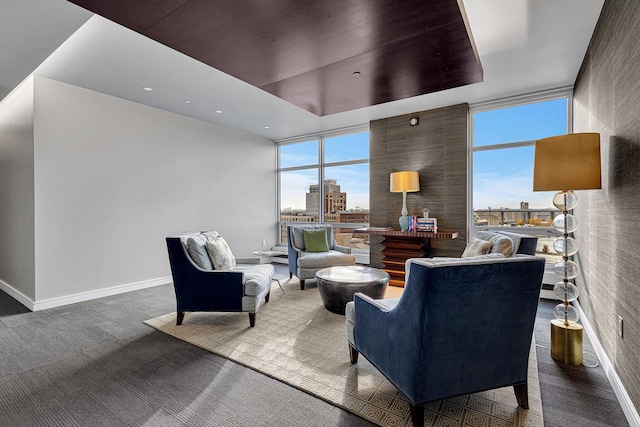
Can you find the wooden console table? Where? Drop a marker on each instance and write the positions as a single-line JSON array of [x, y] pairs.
[[402, 245]]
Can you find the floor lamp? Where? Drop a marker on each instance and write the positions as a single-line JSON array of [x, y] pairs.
[[566, 163], [403, 182]]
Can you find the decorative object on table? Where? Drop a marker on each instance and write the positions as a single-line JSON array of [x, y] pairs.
[[427, 224], [425, 213], [479, 348], [566, 163], [305, 257], [404, 182]]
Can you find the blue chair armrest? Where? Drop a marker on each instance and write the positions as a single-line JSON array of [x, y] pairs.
[[383, 335]]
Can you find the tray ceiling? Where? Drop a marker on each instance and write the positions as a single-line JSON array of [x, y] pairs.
[[325, 56]]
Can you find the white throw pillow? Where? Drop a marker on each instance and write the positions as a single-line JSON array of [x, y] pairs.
[[477, 247], [220, 254]]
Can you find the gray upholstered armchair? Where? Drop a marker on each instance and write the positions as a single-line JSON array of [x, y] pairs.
[[461, 326], [303, 262]]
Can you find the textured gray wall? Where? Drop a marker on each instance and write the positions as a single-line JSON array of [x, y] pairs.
[[437, 148], [607, 100]]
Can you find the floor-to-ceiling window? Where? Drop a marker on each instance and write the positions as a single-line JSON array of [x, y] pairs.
[[338, 160], [503, 135]]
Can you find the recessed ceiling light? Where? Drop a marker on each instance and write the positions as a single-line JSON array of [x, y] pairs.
[[356, 74], [148, 89], [218, 111], [187, 101], [267, 127]]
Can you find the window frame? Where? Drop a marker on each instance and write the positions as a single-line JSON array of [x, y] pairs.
[[321, 165], [516, 101], [564, 92]]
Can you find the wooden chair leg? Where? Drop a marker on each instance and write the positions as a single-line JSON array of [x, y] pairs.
[[180, 318], [353, 354], [522, 395], [417, 415], [266, 297], [302, 284], [252, 319]]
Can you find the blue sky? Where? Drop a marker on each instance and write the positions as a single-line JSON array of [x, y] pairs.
[[504, 178], [501, 178], [353, 179]]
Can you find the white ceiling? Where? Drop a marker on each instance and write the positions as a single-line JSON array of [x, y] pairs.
[[524, 46]]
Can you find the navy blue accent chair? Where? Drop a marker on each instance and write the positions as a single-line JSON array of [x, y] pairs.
[[198, 289], [460, 327]]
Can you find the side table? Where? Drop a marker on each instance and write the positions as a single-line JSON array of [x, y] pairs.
[[399, 246], [337, 285]]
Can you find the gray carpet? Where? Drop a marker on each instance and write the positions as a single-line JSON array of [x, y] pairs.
[[95, 363]]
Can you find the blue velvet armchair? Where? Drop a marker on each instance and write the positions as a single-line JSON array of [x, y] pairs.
[[461, 326], [202, 288]]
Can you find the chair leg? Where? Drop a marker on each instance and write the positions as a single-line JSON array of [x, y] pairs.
[[417, 415], [266, 297], [522, 395], [302, 284], [252, 319], [353, 354], [180, 318], [290, 275]]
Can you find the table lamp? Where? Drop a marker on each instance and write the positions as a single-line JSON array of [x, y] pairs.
[[403, 182], [566, 163]]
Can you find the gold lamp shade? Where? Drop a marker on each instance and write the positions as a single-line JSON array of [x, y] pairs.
[[404, 181], [567, 162]]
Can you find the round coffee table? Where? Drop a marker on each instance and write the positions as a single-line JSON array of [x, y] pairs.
[[338, 284]]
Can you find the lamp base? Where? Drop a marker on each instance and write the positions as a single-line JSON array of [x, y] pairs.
[[566, 342], [404, 222]]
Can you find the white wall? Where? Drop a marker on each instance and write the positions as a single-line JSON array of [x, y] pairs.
[[16, 193], [114, 178]]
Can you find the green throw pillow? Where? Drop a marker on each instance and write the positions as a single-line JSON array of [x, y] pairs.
[[315, 240]]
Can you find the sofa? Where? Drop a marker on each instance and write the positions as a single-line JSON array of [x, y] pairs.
[[506, 242], [237, 285]]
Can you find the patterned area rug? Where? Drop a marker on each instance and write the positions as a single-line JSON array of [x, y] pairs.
[[297, 341]]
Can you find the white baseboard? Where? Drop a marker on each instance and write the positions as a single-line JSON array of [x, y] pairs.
[[17, 295], [618, 388], [83, 296]]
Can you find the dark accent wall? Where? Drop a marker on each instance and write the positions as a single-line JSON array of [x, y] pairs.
[[437, 149], [607, 100]]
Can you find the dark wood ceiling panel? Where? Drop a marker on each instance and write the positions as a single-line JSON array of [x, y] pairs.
[[397, 71], [137, 15], [306, 51]]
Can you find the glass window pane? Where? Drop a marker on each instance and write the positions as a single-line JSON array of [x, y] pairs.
[[503, 196], [522, 123], [343, 148], [300, 154], [346, 193], [296, 198], [347, 201]]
